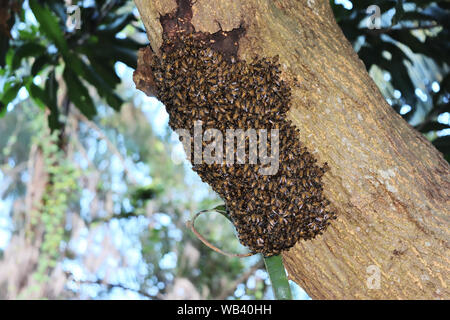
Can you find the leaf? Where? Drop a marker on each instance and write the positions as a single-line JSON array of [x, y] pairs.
[[105, 70], [433, 126], [4, 46], [59, 8], [37, 94], [49, 25], [442, 144], [127, 56], [26, 50], [433, 47], [39, 64], [399, 12], [85, 71], [78, 93], [400, 79], [144, 193], [363, 4], [11, 93], [127, 43], [51, 88], [102, 87], [278, 279], [116, 52], [2, 109], [416, 16], [222, 210], [117, 25]]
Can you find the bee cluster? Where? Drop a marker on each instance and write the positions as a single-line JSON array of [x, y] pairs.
[[270, 212]]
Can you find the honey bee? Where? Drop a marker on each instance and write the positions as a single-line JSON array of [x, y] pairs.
[[194, 80]]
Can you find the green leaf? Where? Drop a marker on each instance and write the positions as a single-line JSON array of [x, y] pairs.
[[126, 43], [274, 267], [85, 71], [433, 47], [4, 46], [49, 25], [399, 12], [222, 210], [123, 54], [26, 50], [416, 16], [78, 93], [400, 79], [40, 63], [117, 25], [51, 88], [278, 279], [2, 109], [442, 144], [102, 86], [10, 93], [433, 126], [105, 70], [38, 95]]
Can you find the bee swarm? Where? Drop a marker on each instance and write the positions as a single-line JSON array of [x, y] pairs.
[[270, 212]]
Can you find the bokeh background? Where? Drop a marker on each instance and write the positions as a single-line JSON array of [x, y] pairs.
[[94, 189]]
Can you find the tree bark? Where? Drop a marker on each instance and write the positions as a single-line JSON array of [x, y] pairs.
[[389, 185]]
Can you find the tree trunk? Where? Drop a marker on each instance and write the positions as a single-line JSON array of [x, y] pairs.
[[388, 184]]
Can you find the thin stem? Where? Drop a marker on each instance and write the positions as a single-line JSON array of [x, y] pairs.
[[190, 224], [274, 264]]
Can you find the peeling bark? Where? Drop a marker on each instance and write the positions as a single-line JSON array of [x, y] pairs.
[[389, 185]]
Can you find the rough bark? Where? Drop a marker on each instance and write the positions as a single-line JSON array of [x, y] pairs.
[[389, 185]]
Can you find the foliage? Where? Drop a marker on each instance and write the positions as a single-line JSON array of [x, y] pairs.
[[50, 215], [411, 48], [83, 56]]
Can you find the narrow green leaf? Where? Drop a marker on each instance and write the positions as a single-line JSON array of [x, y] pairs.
[[274, 267], [105, 70], [2, 109], [117, 52], [51, 88], [125, 55], [26, 50], [278, 279], [103, 89], [39, 64], [4, 46], [10, 93], [399, 11], [222, 210], [442, 144], [38, 95], [416, 16], [78, 94], [117, 25], [433, 126], [49, 25]]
